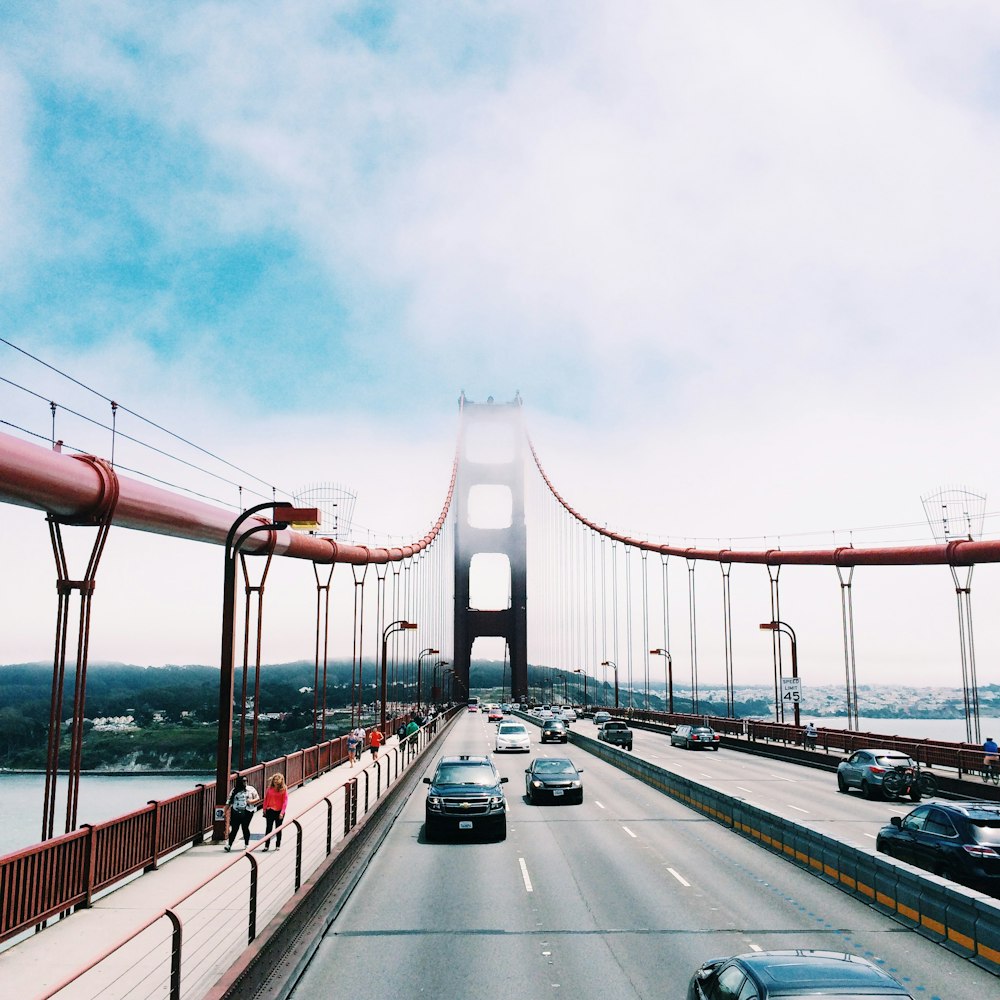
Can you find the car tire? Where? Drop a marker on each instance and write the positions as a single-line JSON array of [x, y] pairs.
[[868, 791], [629, 747], [841, 784], [430, 832], [501, 832], [579, 800], [916, 795]]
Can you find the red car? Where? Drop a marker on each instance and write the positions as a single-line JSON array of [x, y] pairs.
[[495, 714]]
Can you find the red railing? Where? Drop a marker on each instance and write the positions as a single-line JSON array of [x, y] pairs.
[[55, 876]]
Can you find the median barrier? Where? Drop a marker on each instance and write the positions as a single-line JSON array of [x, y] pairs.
[[966, 922]]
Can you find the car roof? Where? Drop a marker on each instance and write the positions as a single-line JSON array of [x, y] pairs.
[[811, 969], [973, 810], [466, 759], [876, 752]]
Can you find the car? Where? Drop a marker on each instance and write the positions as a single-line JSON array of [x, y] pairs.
[[465, 793], [695, 738], [865, 769], [569, 713], [523, 707], [601, 717], [554, 731], [544, 713], [494, 715], [505, 709], [616, 732], [766, 974], [553, 778], [513, 736], [957, 840]]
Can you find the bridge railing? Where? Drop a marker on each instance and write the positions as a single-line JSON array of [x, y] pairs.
[[189, 946], [963, 757], [65, 872]]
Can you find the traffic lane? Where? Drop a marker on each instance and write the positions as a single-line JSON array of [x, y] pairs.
[[805, 795], [666, 874]]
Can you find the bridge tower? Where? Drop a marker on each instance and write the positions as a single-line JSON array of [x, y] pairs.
[[494, 433]]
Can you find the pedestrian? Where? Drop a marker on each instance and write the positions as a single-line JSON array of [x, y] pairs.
[[412, 728], [353, 745], [242, 802], [376, 741], [275, 804], [811, 735]]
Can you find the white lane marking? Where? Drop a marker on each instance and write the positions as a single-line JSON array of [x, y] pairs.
[[796, 808], [756, 947], [781, 777], [872, 835], [629, 832], [742, 789], [524, 875], [600, 805], [679, 877], [705, 774]]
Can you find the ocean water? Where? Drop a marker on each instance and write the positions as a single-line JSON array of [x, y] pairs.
[[951, 730], [102, 796]]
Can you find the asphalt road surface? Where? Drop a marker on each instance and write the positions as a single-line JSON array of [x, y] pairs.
[[621, 897]]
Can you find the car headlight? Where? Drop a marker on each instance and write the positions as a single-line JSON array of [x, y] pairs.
[[576, 784], [434, 801], [495, 801], [536, 784]]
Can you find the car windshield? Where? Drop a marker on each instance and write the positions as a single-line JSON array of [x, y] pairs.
[[464, 774], [701, 729], [555, 724], [507, 730], [554, 767]]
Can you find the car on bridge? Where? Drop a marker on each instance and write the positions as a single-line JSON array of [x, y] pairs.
[[695, 738], [465, 794], [554, 779], [513, 736], [569, 713], [554, 731], [601, 717], [617, 733], [866, 769], [495, 714], [763, 975], [956, 840]]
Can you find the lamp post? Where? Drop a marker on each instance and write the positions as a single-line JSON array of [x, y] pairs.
[[449, 673], [435, 689], [420, 686], [790, 632], [400, 625], [285, 515], [579, 670], [669, 677], [614, 667]]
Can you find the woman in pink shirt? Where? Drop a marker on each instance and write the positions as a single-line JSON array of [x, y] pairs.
[[275, 804]]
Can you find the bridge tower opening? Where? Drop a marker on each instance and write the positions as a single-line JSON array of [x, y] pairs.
[[489, 522]]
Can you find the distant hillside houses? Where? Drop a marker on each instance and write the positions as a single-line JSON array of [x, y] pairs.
[[114, 723]]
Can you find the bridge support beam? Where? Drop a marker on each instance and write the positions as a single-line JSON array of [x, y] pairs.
[[497, 428]]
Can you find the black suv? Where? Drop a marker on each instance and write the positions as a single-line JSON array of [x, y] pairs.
[[958, 840], [465, 794], [554, 730]]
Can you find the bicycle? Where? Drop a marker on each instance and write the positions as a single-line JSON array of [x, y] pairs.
[[991, 772], [909, 781]]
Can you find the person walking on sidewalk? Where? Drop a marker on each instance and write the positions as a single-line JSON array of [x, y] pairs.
[[275, 804], [412, 728], [242, 802], [376, 739], [353, 745]]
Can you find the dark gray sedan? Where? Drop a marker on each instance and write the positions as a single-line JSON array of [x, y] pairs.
[[555, 779]]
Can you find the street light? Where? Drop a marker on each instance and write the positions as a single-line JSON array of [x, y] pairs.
[[285, 515], [397, 626], [614, 667], [420, 686], [790, 632], [580, 670], [670, 676], [435, 690]]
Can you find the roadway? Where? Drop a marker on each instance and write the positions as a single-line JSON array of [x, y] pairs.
[[623, 896]]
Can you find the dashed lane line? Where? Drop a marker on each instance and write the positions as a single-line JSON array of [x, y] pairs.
[[634, 836], [680, 878], [524, 875]]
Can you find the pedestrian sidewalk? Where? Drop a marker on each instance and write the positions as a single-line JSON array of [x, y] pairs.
[[36, 966]]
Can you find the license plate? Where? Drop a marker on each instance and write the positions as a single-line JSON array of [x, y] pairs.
[[465, 824], [557, 791]]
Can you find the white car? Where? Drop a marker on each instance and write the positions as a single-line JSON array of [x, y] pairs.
[[569, 714], [513, 736], [601, 717], [545, 713]]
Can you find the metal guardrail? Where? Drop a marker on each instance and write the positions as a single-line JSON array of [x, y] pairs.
[[66, 872]]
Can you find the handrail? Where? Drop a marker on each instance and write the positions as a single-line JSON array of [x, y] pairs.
[[65, 872]]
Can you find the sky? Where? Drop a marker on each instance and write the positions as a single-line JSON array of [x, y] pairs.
[[738, 259]]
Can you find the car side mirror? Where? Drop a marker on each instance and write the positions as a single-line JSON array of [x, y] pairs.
[[527, 770], [503, 781], [427, 781], [896, 821], [579, 770]]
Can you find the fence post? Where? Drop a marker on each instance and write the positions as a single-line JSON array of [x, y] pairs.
[[175, 955], [154, 846], [89, 866], [298, 854], [329, 826], [252, 925], [366, 788]]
